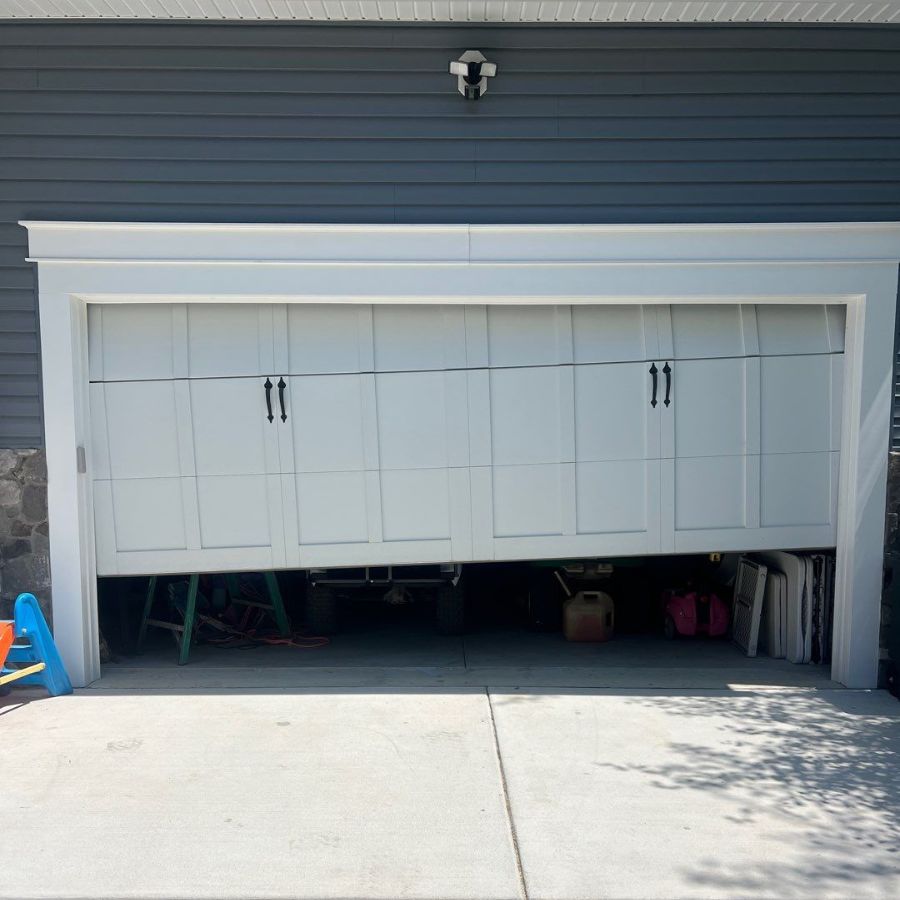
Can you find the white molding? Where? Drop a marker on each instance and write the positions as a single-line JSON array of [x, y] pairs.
[[854, 264], [555, 12], [416, 244]]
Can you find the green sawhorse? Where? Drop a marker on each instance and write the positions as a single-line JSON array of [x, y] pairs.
[[186, 628]]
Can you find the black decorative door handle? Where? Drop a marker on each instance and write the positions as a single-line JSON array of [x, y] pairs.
[[667, 371], [281, 387], [653, 374], [268, 387]]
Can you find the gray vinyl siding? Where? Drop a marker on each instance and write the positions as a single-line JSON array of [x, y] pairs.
[[277, 123]]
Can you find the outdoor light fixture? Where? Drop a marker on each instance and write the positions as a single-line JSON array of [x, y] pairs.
[[473, 71]]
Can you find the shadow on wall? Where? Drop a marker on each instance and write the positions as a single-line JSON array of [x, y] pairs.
[[889, 674], [24, 543], [828, 763]]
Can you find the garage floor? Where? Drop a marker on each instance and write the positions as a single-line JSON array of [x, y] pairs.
[[451, 793], [402, 651]]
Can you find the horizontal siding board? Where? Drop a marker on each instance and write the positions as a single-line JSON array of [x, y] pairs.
[[17, 300], [323, 59], [18, 343], [146, 35], [19, 386], [16, 321], [19, 408], [467, 194], [12, 235], [802, 150], [534, 83], [152, 150], [328, 123], [445, 106], [10, 256], [16, 277], [371, 128], [113, 172], [23, 363]]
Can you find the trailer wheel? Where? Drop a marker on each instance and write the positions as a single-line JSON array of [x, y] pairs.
[[322, 614], [669, 629], [450, 609]]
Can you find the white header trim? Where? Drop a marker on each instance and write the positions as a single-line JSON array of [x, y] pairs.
[[467, 244]]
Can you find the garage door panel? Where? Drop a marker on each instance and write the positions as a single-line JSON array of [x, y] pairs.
[[615, 496], [710, 405], [229, 339], [147, 513], [141, 341], [800, 402], [786, 328], [532, 415], [708, 331], [415, 505], [235, 511], [328, 420], [614, 333], [332, 507], [142, 428], [529, 335], [329, 338], [99, 444], [229, 427], [613, 415], [396, 553], [132, 341], [528, 499], [419, 337], [422, 420], [798, 489], [711, 492]]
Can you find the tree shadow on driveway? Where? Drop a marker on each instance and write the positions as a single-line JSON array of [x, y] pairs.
[[829, 761]]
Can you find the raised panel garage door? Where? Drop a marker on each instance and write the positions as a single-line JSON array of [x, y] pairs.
[[247, 436]]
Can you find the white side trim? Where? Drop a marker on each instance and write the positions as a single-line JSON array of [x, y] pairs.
[[856, 264]]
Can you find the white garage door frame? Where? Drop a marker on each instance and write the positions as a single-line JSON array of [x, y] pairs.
[[852, 264]]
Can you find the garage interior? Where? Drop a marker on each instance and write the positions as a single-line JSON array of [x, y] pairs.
[[630, 453], [514, 628]]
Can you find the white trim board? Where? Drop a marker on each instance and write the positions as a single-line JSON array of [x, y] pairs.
[[854, 264]]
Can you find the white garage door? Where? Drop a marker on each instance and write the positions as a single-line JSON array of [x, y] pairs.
[[229, 436]]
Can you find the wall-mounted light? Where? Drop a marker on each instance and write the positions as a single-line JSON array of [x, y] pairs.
[[473, 71]]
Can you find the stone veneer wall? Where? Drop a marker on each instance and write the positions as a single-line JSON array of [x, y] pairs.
[[24, 544]]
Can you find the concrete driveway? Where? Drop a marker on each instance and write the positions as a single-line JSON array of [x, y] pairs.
[[457, 793]]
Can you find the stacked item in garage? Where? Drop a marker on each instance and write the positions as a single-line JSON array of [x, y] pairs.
[[797, 611]]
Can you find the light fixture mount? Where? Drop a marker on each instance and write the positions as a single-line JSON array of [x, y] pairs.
[[472, 70]]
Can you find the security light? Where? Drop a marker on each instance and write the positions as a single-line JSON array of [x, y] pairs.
[[473, 71]]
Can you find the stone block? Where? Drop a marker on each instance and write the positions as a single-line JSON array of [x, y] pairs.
[[34, 503], [9, 459], [10, 493], [34, 468], [13, 549], [40, 541], [29, 572]]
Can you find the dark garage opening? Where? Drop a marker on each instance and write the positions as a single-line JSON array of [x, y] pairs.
[[384, 622]]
